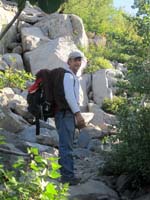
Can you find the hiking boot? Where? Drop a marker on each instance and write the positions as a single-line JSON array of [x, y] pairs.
[[71, 181]]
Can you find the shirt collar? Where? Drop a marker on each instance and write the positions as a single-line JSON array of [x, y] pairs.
[[66, 67]]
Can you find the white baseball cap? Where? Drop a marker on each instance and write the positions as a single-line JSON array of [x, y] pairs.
[[76, 54]]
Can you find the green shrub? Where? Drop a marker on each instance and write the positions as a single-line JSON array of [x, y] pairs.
[[102, 63], [98, 63], [33, 180], [14, 78], [112, 106], [131, 155]]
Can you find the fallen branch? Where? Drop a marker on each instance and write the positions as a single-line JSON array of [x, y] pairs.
[[13, 152]]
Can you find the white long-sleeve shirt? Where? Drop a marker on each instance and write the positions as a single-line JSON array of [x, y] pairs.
[[71, 89]]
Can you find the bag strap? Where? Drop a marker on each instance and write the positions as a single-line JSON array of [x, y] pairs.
[[74, 82]]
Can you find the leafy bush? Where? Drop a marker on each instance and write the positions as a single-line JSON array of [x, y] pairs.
[[96, 60], [102, 63], [14, 78], [35, 179], [98, 63], [131, 155], [112, 106]]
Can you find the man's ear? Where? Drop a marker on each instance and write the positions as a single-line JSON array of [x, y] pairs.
[[69, 60]]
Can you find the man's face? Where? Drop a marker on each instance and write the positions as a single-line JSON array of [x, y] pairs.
[[74, 64]]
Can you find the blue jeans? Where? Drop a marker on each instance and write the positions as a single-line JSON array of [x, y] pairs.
[[65, 124]]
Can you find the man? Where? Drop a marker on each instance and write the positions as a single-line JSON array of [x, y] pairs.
[[67, 119]]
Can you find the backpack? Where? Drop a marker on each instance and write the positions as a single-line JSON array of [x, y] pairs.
[[43, 95]]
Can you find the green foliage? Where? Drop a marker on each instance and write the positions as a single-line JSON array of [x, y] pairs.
[[139, 78], [102, 63], [143, 6], [95, 59], [2, 139], [115, 55], [139, 64], [118, 28], [95, 14], [98, 63], [14, 78], [131, 155], [122, 47], [93, 53], [21, 4], [33, 179], [143, 23], [112, 106], [98, 16]]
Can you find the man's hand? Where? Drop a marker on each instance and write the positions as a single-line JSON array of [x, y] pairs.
[[80, 123]]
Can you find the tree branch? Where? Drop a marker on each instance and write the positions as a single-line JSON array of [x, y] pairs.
[[10, 24], [13, 152]]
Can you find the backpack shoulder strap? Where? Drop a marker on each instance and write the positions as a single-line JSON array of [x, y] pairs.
[[72, 75]]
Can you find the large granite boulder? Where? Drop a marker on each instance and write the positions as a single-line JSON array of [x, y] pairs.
[[61, 25], [100, 87], [49, 55]]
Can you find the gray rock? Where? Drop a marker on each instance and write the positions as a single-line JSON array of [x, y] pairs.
[[95, 145], [28, 134], [100, 87], [60, 25], [32, 37], [85, 82], [31, 14], [92, 190], [81, 153], [13, 60], [93, 131], [10, 121], [17, 50], [83, 139], [48, 137], [49, 55]]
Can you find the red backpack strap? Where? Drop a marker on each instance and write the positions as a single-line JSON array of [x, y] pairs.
[[35, 86]]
